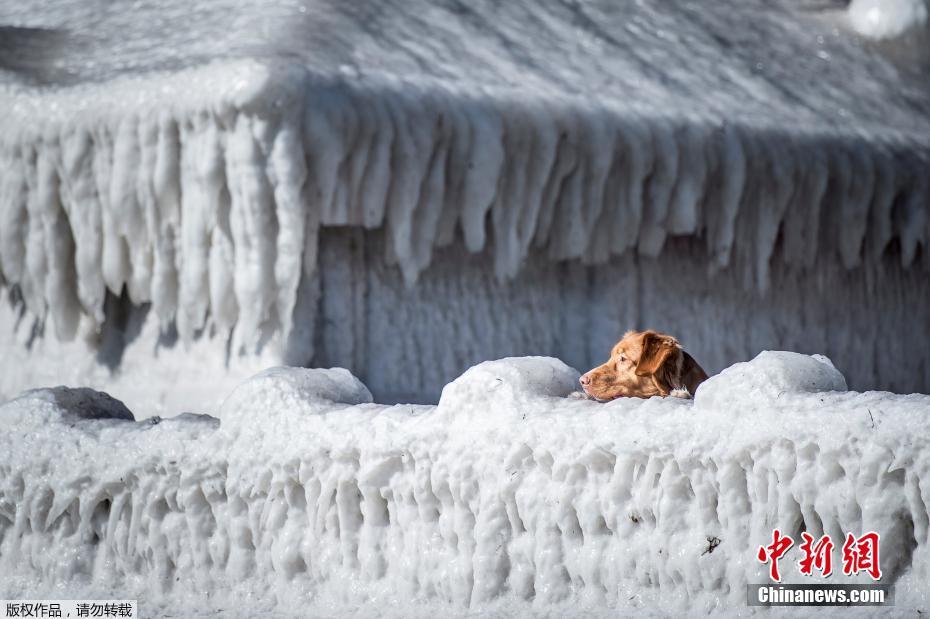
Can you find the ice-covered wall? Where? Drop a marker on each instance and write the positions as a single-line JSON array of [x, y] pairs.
[[406, 344], [506, 496], [202, 177]]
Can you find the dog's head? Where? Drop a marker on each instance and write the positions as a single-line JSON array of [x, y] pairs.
[[643, 364]]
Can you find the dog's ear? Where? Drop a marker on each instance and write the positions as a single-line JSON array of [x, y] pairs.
[[657, 349], [692, 374]]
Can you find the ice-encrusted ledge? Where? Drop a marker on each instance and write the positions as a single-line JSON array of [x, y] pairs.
[[507, 492]]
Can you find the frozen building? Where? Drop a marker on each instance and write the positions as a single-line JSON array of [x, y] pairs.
[[193, 192]]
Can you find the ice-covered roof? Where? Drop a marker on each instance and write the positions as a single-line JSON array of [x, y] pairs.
[[787, 63]]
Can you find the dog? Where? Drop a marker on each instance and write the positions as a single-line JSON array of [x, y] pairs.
[[644, 364]]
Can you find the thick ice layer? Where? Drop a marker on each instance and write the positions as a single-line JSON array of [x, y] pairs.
[[505, 495], [202, 188]]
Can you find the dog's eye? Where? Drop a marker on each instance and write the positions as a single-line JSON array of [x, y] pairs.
[[622, 359]]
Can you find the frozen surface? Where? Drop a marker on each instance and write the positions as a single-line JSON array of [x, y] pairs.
[[506, 497]]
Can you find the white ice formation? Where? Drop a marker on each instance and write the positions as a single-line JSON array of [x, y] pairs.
[[887, 19], [306, 497]]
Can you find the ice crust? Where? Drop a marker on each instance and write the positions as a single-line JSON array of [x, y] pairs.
[[39, 408], [204, 189], [309, 497]]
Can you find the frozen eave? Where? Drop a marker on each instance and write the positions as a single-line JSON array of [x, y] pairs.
[[203, 191]]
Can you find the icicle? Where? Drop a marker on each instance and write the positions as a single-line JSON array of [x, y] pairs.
[[639, 157], [324, 131], [166, 181], [374, 178], [723, 204], [683, 213], [801, 228], [197, 152], [60, 278], [854, 207], [530, 147], [288, 174], [425, 218], [125, 215], [114, 254], [658, 190], [484, 167], [253, 224], [414, 124], [14, 219], [81, 203], [36, 262], [912, 213], [879, 226], [216, 171]]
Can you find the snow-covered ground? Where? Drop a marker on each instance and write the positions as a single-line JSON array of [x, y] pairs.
[[507, 497]]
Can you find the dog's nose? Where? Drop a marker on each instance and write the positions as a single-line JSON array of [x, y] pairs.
[[585, 380]]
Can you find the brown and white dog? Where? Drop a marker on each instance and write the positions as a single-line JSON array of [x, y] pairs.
[[644, 364]]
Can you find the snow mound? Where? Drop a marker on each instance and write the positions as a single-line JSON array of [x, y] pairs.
[[769, 376], [887, 19], [290, 389], [40, 407], [504, 385]]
